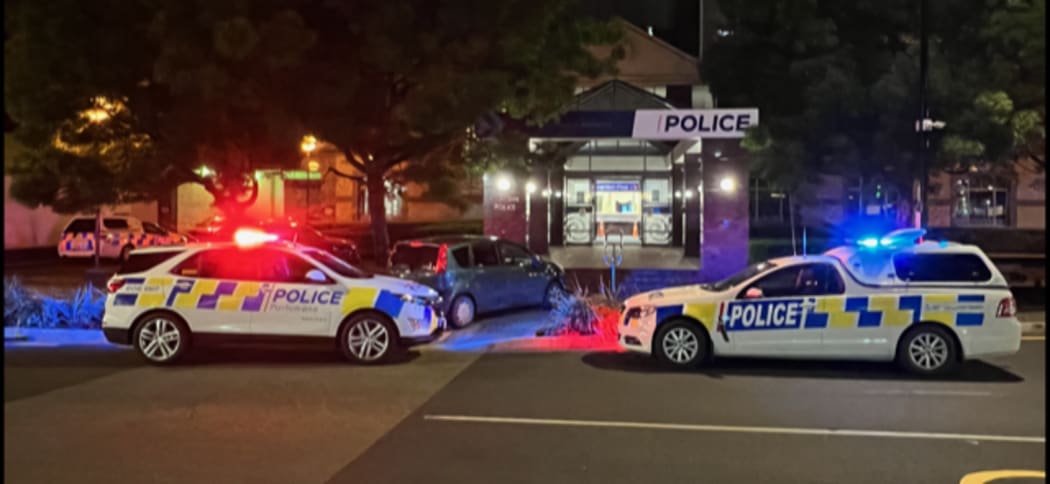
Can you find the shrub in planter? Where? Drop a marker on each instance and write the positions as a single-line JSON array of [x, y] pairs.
[[582, 313], [83, 310], [22, 306]]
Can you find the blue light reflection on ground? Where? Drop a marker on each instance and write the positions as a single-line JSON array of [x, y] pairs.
[[37, 337]]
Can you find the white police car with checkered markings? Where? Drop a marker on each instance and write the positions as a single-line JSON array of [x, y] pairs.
[[926, 305], [165, 299]]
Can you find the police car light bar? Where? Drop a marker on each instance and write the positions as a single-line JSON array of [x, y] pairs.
[[897, 238], [251, 237]]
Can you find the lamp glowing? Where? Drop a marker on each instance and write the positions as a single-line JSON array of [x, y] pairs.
[[869, 242], [727, 184], [313, 166], [530, 187], [309, 144], [204, 171], [503, 183], [546, 193]]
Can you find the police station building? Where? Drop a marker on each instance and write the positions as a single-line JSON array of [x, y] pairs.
[[645, 160]]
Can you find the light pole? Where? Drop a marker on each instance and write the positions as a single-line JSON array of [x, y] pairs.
[[308, 145], [921, 196]]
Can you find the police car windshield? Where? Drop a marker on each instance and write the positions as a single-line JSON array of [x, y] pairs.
[[337, 265], [748, 272]]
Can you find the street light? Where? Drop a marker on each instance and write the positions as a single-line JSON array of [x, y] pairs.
[[727, 184], [503, 183], [308, 145]]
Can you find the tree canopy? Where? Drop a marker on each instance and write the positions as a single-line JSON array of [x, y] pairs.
[[837, 84], [234, 85]]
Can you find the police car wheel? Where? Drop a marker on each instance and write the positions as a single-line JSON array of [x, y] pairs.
[[461, 312], [681, 344], [927, 350], [161, 338], [368, 338]]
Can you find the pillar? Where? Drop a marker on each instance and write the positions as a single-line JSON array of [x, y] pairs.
[[538, 216], [557, 205], [504, 210], [677, 207], [691, 199]]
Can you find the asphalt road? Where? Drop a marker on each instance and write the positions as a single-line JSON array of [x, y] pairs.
[[96, 414]]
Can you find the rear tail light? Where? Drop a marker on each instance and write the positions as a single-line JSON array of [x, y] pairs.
[[442, 261], [115, 285], [1007, 308]]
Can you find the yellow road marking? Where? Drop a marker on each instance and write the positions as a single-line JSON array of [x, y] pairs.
[[989, 476]]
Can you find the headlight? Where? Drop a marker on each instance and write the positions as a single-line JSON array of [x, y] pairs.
[[420, 300]]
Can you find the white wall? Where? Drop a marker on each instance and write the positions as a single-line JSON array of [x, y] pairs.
[[28, 228]]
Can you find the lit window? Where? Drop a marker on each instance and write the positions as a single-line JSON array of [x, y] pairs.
[[980, 200]]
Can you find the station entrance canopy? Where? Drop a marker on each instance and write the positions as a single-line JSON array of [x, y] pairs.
[[650, 124]]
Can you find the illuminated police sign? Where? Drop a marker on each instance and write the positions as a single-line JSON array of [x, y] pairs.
[[783, 314], [686, 124]]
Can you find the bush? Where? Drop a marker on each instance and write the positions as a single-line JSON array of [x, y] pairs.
[[582, 313], [24, 307]]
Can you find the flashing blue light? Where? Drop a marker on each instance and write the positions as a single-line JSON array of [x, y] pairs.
[[869, 242], [944, 243]]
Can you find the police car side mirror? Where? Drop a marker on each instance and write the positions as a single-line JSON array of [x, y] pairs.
[[753, 293], [316, 276]]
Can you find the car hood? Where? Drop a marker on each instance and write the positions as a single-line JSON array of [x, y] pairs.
[[401, 286], [674, 295]]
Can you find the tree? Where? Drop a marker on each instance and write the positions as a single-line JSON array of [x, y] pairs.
[[399, 84], [836, 83]]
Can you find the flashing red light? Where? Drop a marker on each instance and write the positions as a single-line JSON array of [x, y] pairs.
[[415, 244], [1007, 308], [248, 237], [442, 260], [115, 285]]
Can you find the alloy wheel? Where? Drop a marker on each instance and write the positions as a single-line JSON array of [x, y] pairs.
[[368, 340], [159, 339], [681, 345], [928, 351]]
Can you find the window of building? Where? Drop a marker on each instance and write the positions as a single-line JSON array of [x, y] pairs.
[[980, 200], [768, 205], [874, 198], [394, 200], [660, 91]]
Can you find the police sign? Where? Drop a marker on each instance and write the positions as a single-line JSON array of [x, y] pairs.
[[759, 315], [687, 124]]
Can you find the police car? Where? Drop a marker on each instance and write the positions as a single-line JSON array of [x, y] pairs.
[[926, 305], [120, 235], [165, 299]]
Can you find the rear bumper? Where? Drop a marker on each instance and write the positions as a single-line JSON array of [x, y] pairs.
[[120, 336], [997, 339]]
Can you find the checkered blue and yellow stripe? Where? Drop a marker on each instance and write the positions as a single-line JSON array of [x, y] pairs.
[[843, 312], [896, 310], [244, 296]]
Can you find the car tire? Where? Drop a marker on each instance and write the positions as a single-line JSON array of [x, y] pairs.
[[551, 295], [125, 252], [462, 311], [681, 344], [927, 350], [161, 338], [369, 338]]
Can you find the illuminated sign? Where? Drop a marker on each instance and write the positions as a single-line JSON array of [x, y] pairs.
[[687, 124]]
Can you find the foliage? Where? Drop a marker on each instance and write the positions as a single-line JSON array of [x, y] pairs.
[[22, 307], [837, 84], [581, 312], [233, 85], [26, 308]]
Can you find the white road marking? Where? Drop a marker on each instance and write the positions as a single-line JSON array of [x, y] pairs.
[[737, 429], [951, 393]]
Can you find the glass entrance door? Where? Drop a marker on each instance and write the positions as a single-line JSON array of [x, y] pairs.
[[579, 211], [656, 211], [618, 209]]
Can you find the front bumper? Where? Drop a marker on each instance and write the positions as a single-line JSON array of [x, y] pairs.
[[635, 333]]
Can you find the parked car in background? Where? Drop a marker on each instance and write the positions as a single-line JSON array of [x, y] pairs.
[[120, 234], [476, 274], [222, 229]]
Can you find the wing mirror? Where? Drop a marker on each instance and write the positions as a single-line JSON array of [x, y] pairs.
[[753, 293], [316, 276]]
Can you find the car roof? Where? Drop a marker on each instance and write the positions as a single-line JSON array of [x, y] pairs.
[[218, 245], [448, 239]]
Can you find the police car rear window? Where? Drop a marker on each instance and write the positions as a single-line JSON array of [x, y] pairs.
[[144, 262], [81, 225], [941, 268]]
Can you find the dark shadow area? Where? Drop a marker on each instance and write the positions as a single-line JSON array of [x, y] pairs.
[[29, 372], [277, 355], [970, 371]]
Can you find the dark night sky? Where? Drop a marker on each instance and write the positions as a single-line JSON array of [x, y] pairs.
[[674, 21]]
